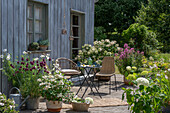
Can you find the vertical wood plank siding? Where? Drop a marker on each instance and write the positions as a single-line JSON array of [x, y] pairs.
[[0, 48], [13, 28]]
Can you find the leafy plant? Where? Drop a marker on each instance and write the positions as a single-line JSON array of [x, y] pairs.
[[142, 39], [43, 42], [87, 100], [128, 57], [98, 51], [33, 46], [151, 94], [7, 105], [54, 86], [25, 72]]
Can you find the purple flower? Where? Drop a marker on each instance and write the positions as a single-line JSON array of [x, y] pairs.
[[33, 73], [126, 45], [22, 59], [18, 62], [26, 65], [26, 69], [33, 67], [138, 52], [131, 49], [20, 66], [32, 63], [37, 61], [23, 63], [13, 74], [126, 50], [45, 68], [142, 53], [27, 59], [30, 69], [37, 64], [47, 72], [43, 59], [49, 59]]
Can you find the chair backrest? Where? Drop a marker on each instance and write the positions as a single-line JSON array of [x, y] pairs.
[[108, 65], [65, 63]]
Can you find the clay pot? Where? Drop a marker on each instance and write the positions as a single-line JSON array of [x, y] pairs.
[[81, 107], [54, 106]]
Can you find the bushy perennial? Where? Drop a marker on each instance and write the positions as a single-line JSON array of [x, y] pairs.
[[142, 81], [98, 51], [54, 86], [6, 105]]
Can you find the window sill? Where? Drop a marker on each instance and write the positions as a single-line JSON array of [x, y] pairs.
[[39, 51]]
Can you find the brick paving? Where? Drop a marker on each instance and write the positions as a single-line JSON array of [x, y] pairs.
[[104, 90]]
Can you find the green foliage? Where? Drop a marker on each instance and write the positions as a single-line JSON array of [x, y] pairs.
[[99, 33], [156, 16], [24, 73], [33, 46], [6, 105], [148, 98], [54, 86], [98, 51], [116, 15], [43, 42], [128, 57], [141, 38]]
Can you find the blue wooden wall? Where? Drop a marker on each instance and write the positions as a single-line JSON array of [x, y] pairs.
[[13, 28]]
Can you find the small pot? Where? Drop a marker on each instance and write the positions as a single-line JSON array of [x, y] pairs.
[[80, 106], [127, 82], [32, 103], [54, 106], [43, 47]]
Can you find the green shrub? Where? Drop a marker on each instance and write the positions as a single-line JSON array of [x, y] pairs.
[[142, 39]]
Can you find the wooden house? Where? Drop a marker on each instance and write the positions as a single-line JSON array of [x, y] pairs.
[[26, 21]]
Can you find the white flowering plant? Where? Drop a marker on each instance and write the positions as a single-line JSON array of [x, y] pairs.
[[54, 86], [87, 100], [7, 105], [150, 94], [98, 51]]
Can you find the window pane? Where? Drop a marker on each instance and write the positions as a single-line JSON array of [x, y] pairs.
[[38, 27], [29, 11], [30, 25], [75, 43], [30, 36], [37, 37], [75, 31], [38, 12], [75, 20]]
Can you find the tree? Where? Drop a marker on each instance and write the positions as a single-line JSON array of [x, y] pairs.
[[156, 16], [116, 15]]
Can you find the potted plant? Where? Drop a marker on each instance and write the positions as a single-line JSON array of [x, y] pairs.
[[6, 105], [80, 104], [43, 44], [33, 46], [55, 89], [24, 74]]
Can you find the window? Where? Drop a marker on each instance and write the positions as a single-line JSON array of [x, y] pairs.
[[36, 22], [77, 31]]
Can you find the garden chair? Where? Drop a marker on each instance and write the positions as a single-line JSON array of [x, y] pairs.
[[107, 71], [68, 67]]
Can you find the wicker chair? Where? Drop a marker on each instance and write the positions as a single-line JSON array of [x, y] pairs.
[[68, 67], [107, 71]]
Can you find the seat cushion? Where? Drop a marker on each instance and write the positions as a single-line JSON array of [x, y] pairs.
[[70, 72], [104, 75]]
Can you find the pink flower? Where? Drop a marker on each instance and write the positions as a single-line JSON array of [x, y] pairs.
[[126, 45]]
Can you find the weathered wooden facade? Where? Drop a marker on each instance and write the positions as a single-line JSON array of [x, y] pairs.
[[18, 27]]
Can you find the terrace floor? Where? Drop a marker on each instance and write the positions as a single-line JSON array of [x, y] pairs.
[[104, 92]]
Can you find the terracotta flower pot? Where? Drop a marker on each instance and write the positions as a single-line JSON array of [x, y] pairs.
[[54, 106], [80, 106], [43, 47], [127, 82]]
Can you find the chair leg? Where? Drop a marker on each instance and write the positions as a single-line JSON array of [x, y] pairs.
[[115, 82], [98, 84]]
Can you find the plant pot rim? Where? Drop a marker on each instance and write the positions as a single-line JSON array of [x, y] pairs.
[[79, 103], [43, 45]]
